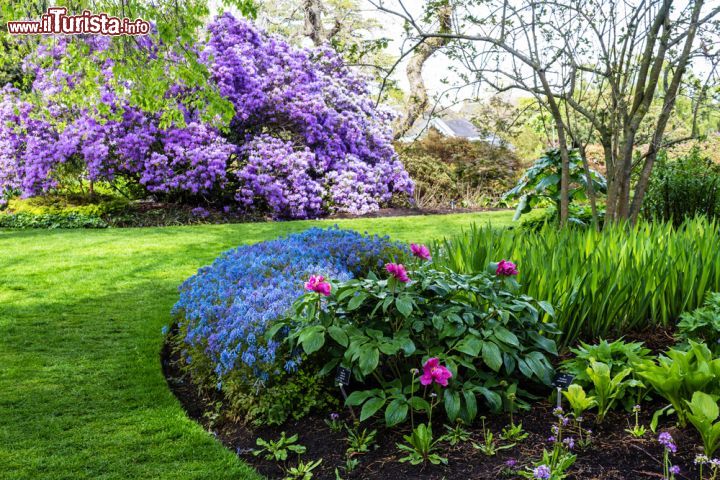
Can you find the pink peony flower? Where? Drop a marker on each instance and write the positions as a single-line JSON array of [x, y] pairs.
[[506, 268], [420, 251], [434, 372], [398, 271], [317, 283]]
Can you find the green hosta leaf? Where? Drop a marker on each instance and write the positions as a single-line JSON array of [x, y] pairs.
[[491, 356], [356, 301], [339, 335], [312, 338], [470, 404], [369, 359], [506, 336], [358, 397], [396, 412], [371, 407], [452, 404], [469, 345], [404, 305]]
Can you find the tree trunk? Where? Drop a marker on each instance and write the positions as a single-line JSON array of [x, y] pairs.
[[418, 101], [668, 106], [313, 21]]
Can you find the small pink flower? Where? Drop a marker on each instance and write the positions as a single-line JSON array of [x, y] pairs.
[[434, 372], [317, 283], [506, 268], [398, 271], [420, 251]]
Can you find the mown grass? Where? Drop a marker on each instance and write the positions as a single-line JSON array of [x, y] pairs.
[[82, 394]]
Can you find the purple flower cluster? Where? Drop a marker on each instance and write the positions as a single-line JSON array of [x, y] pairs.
[[224, 310], [306, 138]]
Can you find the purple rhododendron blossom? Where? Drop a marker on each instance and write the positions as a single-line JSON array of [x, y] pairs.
[[306, 138]]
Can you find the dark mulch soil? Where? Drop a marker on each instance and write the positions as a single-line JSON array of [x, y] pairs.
[[613, 455]]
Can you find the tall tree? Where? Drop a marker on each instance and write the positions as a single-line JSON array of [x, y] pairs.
[[593, 64]]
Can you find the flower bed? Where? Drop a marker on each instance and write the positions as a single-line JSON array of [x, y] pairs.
[[415, 370]]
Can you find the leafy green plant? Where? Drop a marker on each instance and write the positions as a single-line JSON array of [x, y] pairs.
[[702, 324], [541, 182], [683, 187], [678, 374], [606, 283], [457, 434], [607, 389], [490, 446], [383, 329], [303, 470], [421, 446], [579, 401], [703, 415], [359, 441], [638, 430], [514, 433], [278, 450], [618, 355]]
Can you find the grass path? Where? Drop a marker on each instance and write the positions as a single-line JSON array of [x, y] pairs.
[[82, 395]]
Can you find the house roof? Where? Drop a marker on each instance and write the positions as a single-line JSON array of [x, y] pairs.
[[449, 127]]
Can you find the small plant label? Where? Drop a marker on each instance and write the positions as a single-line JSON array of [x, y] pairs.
[[562, 380], [342, 377]]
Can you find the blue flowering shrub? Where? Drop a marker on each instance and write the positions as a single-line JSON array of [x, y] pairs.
[[225, 309]]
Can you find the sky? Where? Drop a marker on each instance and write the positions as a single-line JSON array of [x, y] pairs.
[[438, 68]]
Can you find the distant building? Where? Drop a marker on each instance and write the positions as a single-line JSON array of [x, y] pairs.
[[449, 127]]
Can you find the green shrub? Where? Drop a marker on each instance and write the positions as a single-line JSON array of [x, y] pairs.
[[435, 181], [381, 329], [702, 324], [470, 173], [97, 206], [607, 283], [286, 396], [683, 188], [50, 220]]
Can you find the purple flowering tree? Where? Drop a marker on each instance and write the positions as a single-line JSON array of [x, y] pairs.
[[305, 138]]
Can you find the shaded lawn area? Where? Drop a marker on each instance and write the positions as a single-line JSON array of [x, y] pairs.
[[82, 394]]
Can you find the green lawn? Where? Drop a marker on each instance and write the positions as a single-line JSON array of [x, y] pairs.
[[81, 390]]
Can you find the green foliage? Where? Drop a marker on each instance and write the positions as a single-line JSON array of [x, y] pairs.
[[303, 471], [703, 415], [702, 324], [435, 181], [91, 206], [289, 396], [603, 283], [421, 447], [541, 182], [457, 434], [50, 221], [514, 433], [360, 441], [490, 446], [279, 449], [579, 216], [683, 187], [446, 169], [607, 389], [381, 329], [579, 400], [678, 374], [617, 355]]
